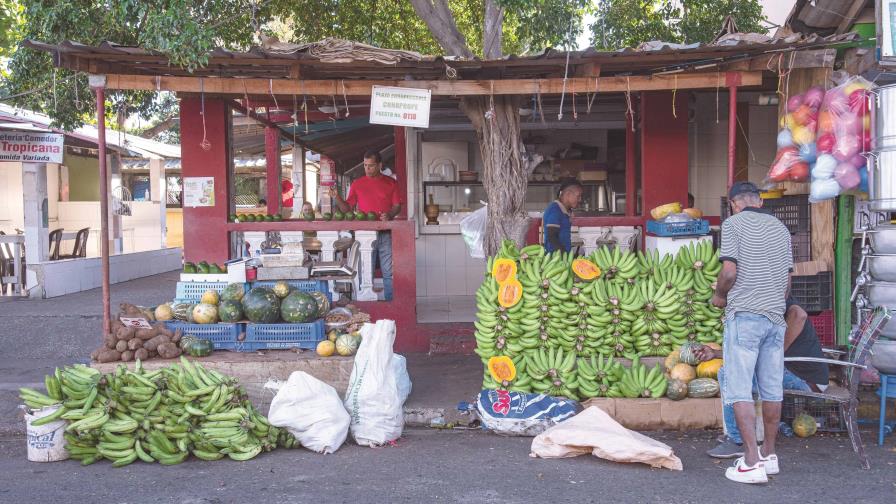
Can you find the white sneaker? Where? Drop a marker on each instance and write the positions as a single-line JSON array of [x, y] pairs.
[[742, 473], [770, 463]]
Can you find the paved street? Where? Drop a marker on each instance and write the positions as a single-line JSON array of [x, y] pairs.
[[426, 465]]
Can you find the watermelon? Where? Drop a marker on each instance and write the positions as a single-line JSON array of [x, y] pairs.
[[323, 303], [372, 216], [349, 216], [261, 305], [281, 289], [233, 292], [327, 216], [337, 215], [298, 307], [230, 311], [359, 215]]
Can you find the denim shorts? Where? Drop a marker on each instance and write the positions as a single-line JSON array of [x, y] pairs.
[[753, 352]]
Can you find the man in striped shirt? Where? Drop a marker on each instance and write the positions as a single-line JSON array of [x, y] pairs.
[[752, 287]]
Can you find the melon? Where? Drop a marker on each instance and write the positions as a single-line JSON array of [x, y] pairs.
[[323, 303], [230, 311], [703, 387], [683, 372], [686, 354], [233, 292], [346, 344], [210, 297], [671, 360], [804, 425], [181, 311], [205, 313], [326, 348], [677, 390], [164, 312], [709, 369], [261, 305], [298, 307], [281, 289], [332, 335]]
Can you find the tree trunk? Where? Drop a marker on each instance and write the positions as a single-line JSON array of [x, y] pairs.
[[503, 170]]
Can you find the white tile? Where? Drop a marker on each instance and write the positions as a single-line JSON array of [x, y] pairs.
[[455, 251], [435, 282], [420, 250], [421, 281], [474, 280], [435, 251], [455, 282]]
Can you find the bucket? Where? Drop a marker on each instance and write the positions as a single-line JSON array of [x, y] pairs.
[[882, 179], [46, 442]]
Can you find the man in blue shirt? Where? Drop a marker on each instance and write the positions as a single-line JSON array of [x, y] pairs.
[[557, 218]]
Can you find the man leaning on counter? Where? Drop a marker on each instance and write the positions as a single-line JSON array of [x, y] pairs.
[[375, 192], [557, 219]]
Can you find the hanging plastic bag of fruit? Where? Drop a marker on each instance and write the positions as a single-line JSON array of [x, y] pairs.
[[472, 227], [844, 135], [797, 149]]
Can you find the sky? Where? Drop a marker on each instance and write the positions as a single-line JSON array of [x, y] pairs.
[[775, 11]]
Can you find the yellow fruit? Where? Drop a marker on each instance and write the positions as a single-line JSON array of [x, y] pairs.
[[501, 368], [804, 425], [332, 335], [672, 359], [585, 269], [683, 372], [326, 348], [709, 369], [664, 210], [695, 213], [504, 270], [210, 297], [510, 293], [164, 312]]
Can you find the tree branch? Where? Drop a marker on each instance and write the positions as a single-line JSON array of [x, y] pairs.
[[154, 130], [440, 21], [491, 34]]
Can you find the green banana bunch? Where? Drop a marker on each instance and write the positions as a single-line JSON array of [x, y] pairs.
[[636, 381], [598, 376], [522, 382], [509, 250], [553, 372], [702, 261], [616, 266], [650, 263]]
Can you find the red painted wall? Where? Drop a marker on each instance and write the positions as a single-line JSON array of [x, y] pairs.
[[272, 163], [401, 168], [664, 149], [205, 233]]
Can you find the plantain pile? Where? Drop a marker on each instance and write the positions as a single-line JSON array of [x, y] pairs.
[[535, 307], [636, 381], [160, 416]]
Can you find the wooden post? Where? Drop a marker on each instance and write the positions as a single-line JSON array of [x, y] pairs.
[[843, 269], [104, 205], [272, 161]]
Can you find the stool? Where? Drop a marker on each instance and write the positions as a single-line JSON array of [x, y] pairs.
[[887, 389]]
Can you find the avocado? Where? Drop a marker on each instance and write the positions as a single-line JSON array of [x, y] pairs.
[[232, 218], [359, 215], [372, 216], [278, 217], [269, 218], [189, 268], [241, 217], [337, 215]]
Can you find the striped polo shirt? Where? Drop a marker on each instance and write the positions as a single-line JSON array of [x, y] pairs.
[[759, 244]]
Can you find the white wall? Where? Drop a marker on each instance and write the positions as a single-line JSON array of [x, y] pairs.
[[708, 149], [445, 268], [140, 232], [11, 204]]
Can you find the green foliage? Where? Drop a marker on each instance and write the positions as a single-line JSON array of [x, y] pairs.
[[627, 23], [11, 23]]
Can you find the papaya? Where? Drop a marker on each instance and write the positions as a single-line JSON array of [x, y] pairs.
[[709, 369], [510, 293], [585, 269], [502, 369], [504, 270]]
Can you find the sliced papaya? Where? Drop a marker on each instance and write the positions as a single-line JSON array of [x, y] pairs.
[[585, 269], [504, 270], [510, 293], [501, 368]]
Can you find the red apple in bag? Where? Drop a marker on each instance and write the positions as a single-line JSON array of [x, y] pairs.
[[780, 170]]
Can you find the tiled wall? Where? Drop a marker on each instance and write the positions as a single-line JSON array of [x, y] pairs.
[[445, 268], [709, 147]]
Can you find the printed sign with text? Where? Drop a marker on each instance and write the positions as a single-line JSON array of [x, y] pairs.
[[398, 106]]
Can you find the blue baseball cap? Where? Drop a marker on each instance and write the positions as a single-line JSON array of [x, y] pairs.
[[739, 188]]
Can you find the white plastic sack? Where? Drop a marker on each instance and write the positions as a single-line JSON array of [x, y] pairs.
[[594, 431], [399, 366], [376, 394], [472, 227], [311, 411]]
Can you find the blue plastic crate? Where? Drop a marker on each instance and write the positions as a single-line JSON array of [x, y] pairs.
[[194, 290], [301, 285], [224, 336], [694, 227], [279, 336]]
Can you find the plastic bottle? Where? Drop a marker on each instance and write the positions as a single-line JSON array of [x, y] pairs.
[[784, 429]]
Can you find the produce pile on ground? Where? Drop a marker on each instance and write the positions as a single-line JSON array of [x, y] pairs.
[[161, 416], [559, 320], [128, 343], [264, 305]]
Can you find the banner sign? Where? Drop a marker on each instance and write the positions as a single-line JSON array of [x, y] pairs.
[[398, 106], [30, 147]]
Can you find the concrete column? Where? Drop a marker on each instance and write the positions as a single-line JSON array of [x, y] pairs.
[[36, 209], [158, 193], [298, 179], [327, 244], [115, 231], [366, 240]]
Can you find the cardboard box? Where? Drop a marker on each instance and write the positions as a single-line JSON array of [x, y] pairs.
[[662, 414], [282, 273]]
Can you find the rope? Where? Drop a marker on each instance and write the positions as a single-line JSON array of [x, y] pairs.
[[345, 99], [593, 96], [718, 85], [563, 92], [271, 90], [674, 93], [628, 101], [205, 144], [540, 106]]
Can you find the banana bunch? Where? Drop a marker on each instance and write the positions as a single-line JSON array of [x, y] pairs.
[[616, 266], [616, 307], [490, 323], [569, 324], [161, 416], [508, 250], [650, 263], [522, 382], [636, 381], [553, 372], [650, 330], [702, 261], [598, 376]]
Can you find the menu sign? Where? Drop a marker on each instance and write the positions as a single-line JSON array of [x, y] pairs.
[[30, 147]]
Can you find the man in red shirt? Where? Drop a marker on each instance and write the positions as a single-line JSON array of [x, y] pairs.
[[376, 193]]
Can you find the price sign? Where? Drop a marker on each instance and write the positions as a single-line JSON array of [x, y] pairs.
[[398, 106], [136, 323]]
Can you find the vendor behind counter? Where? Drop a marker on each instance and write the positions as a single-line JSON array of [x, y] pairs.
[[557, 219]]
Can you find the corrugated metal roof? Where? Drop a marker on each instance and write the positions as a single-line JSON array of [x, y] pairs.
[[825, 17], [309, 62]]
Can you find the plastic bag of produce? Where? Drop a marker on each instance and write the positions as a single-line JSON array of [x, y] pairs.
[[594, 431], [376, 390], [797, 138], [844, 133], [472, 227], [311, 411], [521, 414]]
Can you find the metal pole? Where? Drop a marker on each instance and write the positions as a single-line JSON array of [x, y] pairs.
[[104, 205], [732, 132]]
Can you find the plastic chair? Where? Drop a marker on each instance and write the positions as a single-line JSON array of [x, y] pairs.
[[80, 248], [885, 392], [847, 397], [55, 242]]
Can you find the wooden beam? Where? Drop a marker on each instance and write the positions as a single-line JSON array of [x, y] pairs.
[[851, 15], [239, 87]]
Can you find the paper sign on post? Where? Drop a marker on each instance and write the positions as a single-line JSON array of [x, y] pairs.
[[199, 192], [398, 106], [136, 323]]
